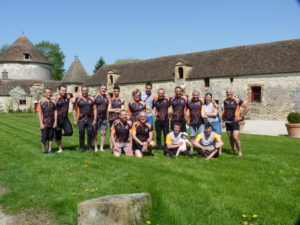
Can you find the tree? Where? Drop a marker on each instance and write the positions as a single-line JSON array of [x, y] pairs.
[[99, 64], [3, 48], [126, 60], [55, 56], [17, 94]]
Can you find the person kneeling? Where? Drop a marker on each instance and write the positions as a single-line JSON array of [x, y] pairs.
[[182, 148], [120, 135], [208, 143], [142, 134], [173, 142]]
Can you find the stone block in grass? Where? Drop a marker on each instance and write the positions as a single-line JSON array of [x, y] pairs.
[[124, 209]]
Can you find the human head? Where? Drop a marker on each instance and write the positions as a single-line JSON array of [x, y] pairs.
[[229, 93], [195, 94], [148, 87], [143, 117], [123, 115], [62, 89], [136, 94], [47, 92], [176, 128], [103, 89], [161, 93], [207, 129], [208, 97], [116, 91], [178, 91], [84, 91], [217, 101], [184, 135]]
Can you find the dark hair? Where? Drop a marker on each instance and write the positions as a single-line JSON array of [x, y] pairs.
[[176, 124], [117, 87], [122, 110], [62, 85], [84, 86], [217, 101], [148, 84], [178, 87], [207, 125], [208, 94]]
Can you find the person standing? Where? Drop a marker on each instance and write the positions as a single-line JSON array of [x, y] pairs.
[[115, 105], [120, 135], [179, 107], [209, 113], [136, 105], [85, 116], [231, 118], [195, 120], [48, 120], [101, 101], [161, 105], [62, 102], [148, 96]]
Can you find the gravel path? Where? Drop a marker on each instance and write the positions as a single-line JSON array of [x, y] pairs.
[[265, 127]]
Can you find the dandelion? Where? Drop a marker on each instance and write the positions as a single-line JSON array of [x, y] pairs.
[[254, 216], [245, 223], [148, 222], [244, 216], [82, 186], [31, 197], [73, 193]]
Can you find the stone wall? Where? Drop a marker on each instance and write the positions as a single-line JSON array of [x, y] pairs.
[[26, 71], [278, 92]]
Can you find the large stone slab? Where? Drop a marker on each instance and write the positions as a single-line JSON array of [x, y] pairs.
[[124, 209]]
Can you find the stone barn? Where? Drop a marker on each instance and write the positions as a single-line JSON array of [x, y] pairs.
[[267, 76]]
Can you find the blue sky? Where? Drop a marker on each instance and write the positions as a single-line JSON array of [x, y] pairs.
[[146, 29]]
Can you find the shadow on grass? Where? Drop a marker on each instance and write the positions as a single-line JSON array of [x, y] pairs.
[[298, 220], [227, 151]]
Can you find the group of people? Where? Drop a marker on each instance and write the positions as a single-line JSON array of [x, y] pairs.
[[131, 127]]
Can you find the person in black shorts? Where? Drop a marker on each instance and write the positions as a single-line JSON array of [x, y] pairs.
[[48, 120], [231, 118], [85, 116], [62, 102], [179, 107], [101, 101], [161, 105], [142, 135]]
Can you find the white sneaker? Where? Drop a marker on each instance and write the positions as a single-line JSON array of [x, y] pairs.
[[60, 151]]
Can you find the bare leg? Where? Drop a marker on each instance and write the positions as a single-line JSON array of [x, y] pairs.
[[138, 153], [43, 146], [50, 145], [232, 142], [95, 140], [237, 142], [103, 134], [59, 145], [212, 154], [192, 139]]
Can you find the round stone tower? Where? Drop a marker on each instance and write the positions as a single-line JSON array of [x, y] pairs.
[[23, 61]]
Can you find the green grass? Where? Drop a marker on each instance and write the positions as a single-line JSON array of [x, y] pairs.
[[184, 191]]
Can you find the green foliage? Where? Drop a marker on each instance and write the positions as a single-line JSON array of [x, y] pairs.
[[294, 117], [186, 191], [3, 48], [99, 64], [126, 60], [55, 56]]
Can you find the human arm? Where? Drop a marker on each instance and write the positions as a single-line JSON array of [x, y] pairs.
[[55, 119], [169, 142], [74, 113], [95, 114]]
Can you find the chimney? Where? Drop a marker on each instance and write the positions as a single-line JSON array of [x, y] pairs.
[[4, 75]]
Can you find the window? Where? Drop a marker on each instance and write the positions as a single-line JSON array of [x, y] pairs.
[[22, 102], [76, 89], [256, 94], [180, 72], [231, 79], [111, 79], [206, 82], [26, 56]]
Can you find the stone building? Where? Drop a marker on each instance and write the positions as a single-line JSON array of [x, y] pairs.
[[75, 77], [267, 76], [23, 61]]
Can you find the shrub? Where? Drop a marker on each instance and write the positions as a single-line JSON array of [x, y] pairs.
[[10, 108], [294, 117]]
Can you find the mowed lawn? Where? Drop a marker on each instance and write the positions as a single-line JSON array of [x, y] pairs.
[[266, 181]]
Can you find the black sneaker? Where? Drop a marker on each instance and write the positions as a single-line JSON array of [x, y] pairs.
[[49, 152], [44, 152]]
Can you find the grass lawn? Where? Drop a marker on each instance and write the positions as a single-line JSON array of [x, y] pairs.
[[266, 181]]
